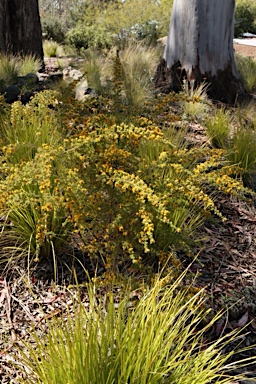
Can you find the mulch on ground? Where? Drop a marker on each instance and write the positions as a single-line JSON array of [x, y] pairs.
[[226, 268]]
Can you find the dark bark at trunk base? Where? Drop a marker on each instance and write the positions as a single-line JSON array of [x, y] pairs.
[[224, 87], [20, 28]]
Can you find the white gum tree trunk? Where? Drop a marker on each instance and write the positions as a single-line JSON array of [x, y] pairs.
[[200, 49]]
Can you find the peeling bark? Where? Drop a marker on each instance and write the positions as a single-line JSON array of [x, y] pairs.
[[200, 49]]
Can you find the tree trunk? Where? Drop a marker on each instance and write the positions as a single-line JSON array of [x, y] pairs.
[[20, 28], [200, 49]]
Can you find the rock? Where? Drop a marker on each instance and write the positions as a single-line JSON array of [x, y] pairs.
[[42, 77], [75, 74], [11, 93], [81, 90], [32, 78], [66, 72], [162, 41], [90, 92], [55, 77], [26, 97], [70, 73]]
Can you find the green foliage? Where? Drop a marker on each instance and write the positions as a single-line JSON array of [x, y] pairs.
[[161, 340], [132, 18], [124, 76], [242, 150], [138, 65], [98, 70], [51, 48], [27, 184], [147, 31], [9, 70], [196, 104], [237, 137], [246, 67], [245, 17], [29, 127], [218, 128], [105, 171], [29, 64], [100, 25], [125, 189], [54, 28], [85, 36], [13, 66]]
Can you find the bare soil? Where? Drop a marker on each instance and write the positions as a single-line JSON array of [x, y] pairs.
[[245, 50]]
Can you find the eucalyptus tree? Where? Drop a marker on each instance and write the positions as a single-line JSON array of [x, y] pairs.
[[20, 28], [200, 49]]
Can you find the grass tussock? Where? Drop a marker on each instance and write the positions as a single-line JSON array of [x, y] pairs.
[[218, 128], [247, 71], [196, 104], [13, 66], [160, 340], [129, 69], [52, 49]]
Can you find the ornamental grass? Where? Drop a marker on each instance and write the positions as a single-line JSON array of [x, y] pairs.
[[161, 339]]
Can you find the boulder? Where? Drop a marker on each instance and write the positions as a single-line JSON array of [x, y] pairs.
[[162, 41], [11, 93], [55, 77], [26, 97], [30, 79], [71, 74], [81, 89]]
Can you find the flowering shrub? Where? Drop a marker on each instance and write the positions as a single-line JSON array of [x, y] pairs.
[[130, 194]]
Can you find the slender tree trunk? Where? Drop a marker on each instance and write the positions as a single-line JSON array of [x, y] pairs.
[[5, 40], [20, 28], [200, 49]]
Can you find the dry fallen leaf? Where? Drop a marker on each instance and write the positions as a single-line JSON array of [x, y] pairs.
[[3, 295], [244, 319]]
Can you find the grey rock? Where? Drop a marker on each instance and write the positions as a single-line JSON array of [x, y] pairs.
[[162, 41], [42, 77], [90, 92], [66, 72], [75, 74], [81, 90], [71, 74]]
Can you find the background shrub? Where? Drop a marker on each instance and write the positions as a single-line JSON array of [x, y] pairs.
[[90, 36], [54, 28], [245, 17], [246, 67], [13, 66]]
